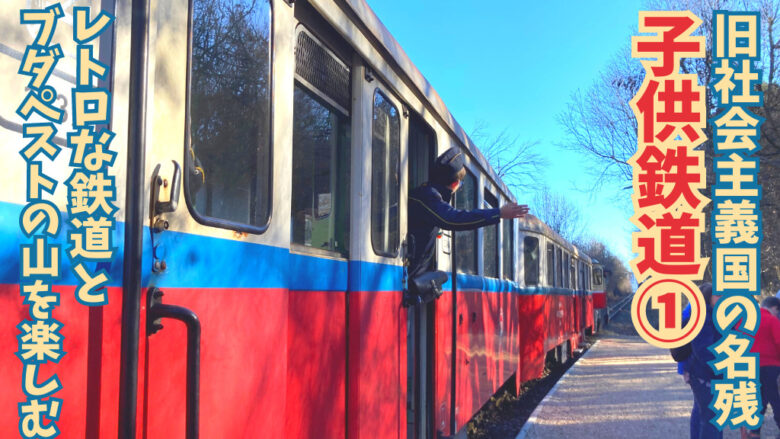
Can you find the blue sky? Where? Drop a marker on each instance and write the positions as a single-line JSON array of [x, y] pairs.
[[514, 65]]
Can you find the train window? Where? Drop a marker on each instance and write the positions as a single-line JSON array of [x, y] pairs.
[[228, 182], [565, 269], [508, 243], [582, 276], [573, 274], [558, 267], [422, 150], [490, 242], [321, 129], [550, 265], [587, 277], [320, 183], [386, 176], [597, 276], [466, 241], [531, 260]]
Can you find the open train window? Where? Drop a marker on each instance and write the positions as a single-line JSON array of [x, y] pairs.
[[385, 176], [508, 244], [490, 242], [565, 269], [321, 129], [228, 134], [558, 267], [422, 150], [466, 241], [531, 260], [582, 276], [550, 265]]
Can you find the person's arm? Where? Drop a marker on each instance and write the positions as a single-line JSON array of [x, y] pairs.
[[444, 216]]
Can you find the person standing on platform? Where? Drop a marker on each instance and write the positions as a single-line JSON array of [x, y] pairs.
[[694, 424], [767, 346], [700, 374]]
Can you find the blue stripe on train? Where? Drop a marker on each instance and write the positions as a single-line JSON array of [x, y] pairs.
[[470, 282], [195, 261]]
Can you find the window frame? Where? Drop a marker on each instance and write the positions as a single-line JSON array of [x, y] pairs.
[[550, 264], [588, 274], [510, 254], [475, 233], [490, 201], [526, 261], [601, 275], [396, 105], [573, 273], [297, 247], [413, 119], [214, 221]]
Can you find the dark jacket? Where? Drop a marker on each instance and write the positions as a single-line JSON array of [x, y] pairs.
[[429, 210], [700, 354]]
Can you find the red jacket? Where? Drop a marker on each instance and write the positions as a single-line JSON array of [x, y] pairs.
[[767, 342]]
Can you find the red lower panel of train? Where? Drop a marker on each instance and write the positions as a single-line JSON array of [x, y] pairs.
[[276, 363], [377, 366], [88, 372]]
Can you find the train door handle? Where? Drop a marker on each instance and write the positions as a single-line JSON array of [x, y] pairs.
[[161, 184], [156, 311]]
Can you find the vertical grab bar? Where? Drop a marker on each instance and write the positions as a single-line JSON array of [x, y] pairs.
[[158, 311]]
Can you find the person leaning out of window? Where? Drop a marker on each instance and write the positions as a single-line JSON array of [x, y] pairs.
[[430, 210]]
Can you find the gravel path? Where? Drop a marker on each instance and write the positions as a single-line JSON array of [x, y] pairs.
[[621, 388]]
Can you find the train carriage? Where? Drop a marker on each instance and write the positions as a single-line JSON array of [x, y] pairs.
[[265, 150]]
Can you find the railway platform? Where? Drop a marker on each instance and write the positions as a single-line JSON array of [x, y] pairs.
[[621, 388]]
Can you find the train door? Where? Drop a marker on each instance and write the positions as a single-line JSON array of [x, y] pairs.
[[420, 320], [320, 216], [216, 332]]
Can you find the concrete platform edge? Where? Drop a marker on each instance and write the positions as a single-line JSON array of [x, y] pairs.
[[532, 419]]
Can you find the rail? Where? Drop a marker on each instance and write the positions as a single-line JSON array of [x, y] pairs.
[[618, 306]]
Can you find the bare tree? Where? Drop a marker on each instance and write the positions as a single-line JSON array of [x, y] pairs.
[[559, 213], [600, 124], [516, 162]]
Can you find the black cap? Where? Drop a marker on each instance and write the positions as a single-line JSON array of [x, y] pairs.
[[447, 166]]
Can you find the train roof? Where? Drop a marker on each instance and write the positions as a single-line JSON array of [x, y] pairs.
[[389, 43], [531, 223]]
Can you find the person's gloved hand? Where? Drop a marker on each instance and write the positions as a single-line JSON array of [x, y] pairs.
[[513, 210]]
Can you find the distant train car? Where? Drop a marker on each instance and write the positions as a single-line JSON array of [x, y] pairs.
[[599, 297], [265, 151]]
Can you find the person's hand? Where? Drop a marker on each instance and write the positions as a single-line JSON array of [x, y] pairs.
[[512, 210]]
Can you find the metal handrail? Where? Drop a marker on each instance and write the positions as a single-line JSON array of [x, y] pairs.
[[618, 306]]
